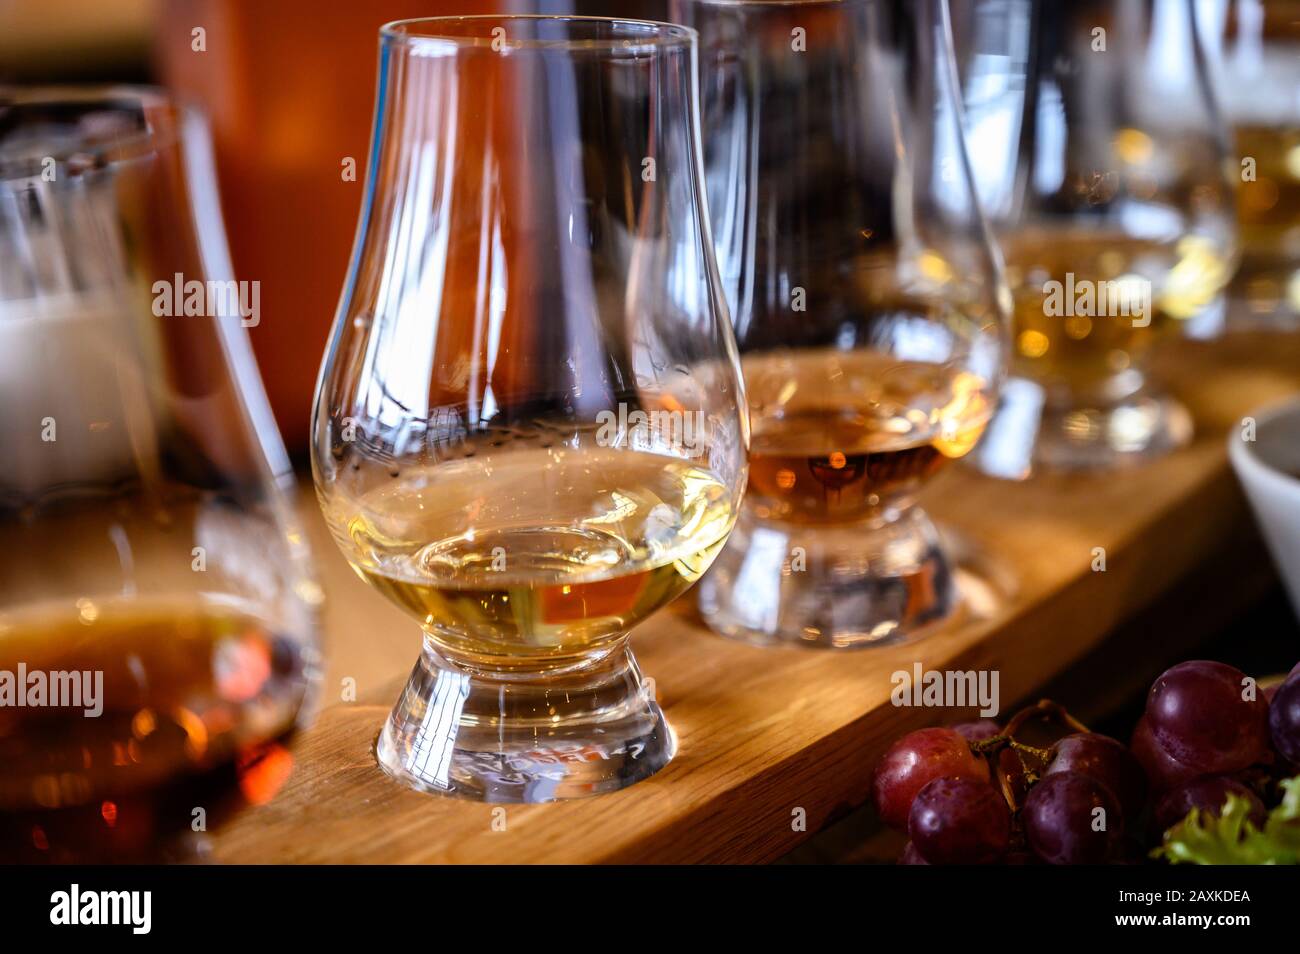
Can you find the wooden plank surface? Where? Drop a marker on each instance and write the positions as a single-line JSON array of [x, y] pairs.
[[765, 732]]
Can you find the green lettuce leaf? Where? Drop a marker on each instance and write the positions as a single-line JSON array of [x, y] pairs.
[[1232, 839]]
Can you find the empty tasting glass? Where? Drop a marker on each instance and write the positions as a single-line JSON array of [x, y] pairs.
[[867, 304], [157, 618], [1104, 170], [529, 432], [1255, 51]]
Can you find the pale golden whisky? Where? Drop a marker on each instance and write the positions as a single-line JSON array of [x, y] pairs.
[[1089, 304], [1268, 203], [535, 557], [1268, 210]]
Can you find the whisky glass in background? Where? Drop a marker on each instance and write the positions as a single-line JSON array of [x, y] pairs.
[[529, 432], [145, 550], [1255, 55], [867, 305], [1105, 171]]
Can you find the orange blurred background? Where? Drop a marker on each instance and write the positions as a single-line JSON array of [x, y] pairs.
[[289, 90], [288, 86]]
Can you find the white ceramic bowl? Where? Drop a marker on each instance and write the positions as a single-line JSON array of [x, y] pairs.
[[1269, 469]]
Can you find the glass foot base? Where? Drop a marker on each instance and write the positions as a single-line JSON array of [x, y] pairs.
[[835, 587], [1265, 294], [1026, 434], [525, 738], [1127, 433]]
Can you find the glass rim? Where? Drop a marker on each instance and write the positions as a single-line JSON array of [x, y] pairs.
[[654, 34], [759, 4], [163, 117]]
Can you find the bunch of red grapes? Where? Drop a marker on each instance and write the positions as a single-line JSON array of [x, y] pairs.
[[974, 794]]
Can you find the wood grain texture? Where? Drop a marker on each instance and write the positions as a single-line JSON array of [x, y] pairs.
[[763, 732]]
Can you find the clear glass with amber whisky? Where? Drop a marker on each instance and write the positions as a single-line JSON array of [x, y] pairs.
[[867, 304], [1105, 170], [1254, 52], [158, 617], [529, 432]]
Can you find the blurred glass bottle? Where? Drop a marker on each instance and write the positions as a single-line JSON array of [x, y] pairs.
[[157, 613], [1255, 52]]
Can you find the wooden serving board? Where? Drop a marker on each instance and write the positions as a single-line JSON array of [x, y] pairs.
[[764, 733]]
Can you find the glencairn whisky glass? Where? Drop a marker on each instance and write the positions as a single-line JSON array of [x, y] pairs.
[[867, 304], [158, 618], [529, 431], [1254, 49], [1104, 168]]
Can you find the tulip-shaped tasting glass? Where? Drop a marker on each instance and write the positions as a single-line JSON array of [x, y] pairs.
[[865, 296], [158, 619], [1104, 169], [1254, 48], [529, 432]]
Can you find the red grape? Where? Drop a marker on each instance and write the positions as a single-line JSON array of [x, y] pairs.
[[1196, 712], [1271, 691], [1130, 851], [977, 731], [1063, 824], [1008, 764], [918, 758], [911, 856], [1208, 793], [1163, 770], [1106, 760], [1284, 719], [960, 821]]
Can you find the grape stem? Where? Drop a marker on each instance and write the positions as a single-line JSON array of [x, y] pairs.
[[991, 748]]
